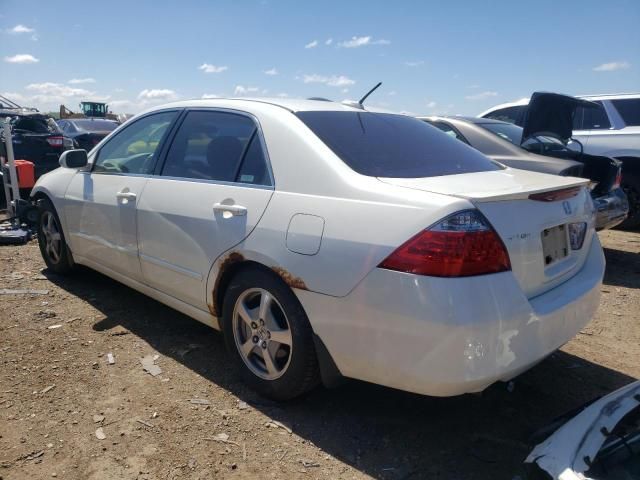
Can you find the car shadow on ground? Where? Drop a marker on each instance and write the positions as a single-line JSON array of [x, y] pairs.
[[623, 268], [381, 432]]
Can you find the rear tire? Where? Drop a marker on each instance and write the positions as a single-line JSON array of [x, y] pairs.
[[631, 187], [269, 336], [53, 247]]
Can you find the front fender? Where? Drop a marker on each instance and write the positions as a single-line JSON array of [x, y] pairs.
[[54, 186]]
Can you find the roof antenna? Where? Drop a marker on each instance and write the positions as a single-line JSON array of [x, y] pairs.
[[361, 101]]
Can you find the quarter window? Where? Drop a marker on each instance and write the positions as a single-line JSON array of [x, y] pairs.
[[217, 146], [135, 148]]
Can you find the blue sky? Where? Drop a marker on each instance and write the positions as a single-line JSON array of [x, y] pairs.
[[432, 57]]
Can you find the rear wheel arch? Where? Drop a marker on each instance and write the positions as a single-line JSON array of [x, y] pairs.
[[229, 267], [301, 372]]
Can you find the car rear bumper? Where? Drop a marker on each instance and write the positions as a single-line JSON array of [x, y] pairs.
[[611, 209], [444, 336]]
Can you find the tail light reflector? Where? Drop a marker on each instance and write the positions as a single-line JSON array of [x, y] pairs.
[[55, 141], [555, 195], [461, 245]]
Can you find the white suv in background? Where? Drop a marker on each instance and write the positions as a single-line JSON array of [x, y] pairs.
[[613, 131]]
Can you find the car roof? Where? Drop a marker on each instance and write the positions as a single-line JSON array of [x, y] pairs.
[[291, 104], [474, 120], [610, 96]]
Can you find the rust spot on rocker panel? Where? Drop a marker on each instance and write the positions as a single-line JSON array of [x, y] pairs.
[[224, 264], [289, 279]]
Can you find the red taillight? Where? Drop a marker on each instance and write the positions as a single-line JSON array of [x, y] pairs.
[[618, 180], [555, 195], [462, 245], [55, 141]]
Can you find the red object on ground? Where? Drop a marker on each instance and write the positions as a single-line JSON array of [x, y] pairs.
[[26, 173]]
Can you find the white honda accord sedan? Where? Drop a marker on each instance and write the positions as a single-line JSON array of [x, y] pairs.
[[329, 241]]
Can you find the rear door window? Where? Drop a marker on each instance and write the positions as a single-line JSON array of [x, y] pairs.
[[220, 146], [629, 110], [390, 145], [591, 118]]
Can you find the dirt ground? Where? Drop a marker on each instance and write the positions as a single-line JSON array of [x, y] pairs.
[[196, 420]]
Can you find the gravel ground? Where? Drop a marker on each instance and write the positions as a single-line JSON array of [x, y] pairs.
[[59, 393]]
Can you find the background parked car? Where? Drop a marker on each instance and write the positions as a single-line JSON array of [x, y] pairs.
[[613, 131], [37, 138], [500, 141], [87, 132]]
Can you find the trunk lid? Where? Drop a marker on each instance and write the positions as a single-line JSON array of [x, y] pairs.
[[552, 113], [532, 230]]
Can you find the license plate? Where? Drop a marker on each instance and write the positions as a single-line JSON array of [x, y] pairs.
[[554, 244]]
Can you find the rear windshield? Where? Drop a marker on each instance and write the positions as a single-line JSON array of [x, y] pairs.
[[396, 146], [35, 124], [629, 110], [95, 125]]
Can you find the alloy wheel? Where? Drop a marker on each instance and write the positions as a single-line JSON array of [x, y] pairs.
[[262, 333], [52, 238]]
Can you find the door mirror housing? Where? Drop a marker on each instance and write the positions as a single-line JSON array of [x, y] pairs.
[[74, 159]]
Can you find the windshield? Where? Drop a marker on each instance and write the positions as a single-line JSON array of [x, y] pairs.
[[396, 146], [95, 125]]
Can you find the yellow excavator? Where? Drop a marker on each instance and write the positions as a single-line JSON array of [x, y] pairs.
[[89, 110]]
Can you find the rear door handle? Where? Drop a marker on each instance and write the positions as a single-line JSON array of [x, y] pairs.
[[236, 210], [125, 195]]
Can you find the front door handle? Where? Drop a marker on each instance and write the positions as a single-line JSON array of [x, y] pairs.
[[236, 210]]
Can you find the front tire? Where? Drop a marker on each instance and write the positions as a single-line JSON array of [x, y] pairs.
[[269, 336], [53, 247]]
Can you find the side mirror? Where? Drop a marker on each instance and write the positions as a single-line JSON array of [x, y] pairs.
[[73, 159]]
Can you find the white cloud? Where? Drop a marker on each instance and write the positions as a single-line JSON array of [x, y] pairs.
[[482, 95], [21, 29], [78, 81], [157, 94], [241, 90], [329, 41], [392, 93], [58, 90], [21, 58], [356, 42], [332, 81], [206, 96], [612, 66], [271, 71], [313, 44], [345, 90], [208, 68], [432, 104], [417, 63], [282, 95]]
